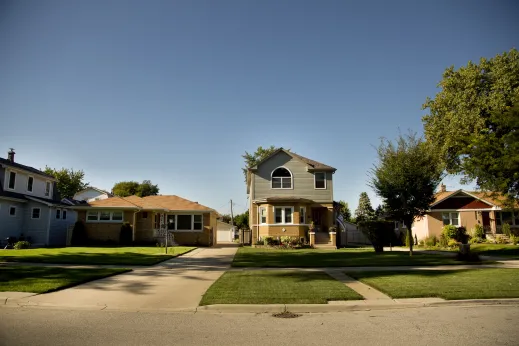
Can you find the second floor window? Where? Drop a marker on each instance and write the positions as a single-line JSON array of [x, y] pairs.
[[12, 180], [30, 182], [281, 178], [47, 188], [320, 180]]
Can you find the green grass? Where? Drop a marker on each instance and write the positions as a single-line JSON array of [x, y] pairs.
[[351, 257], [498, 250], [446, 284], [94, 255], [276, 287], [47, 279]]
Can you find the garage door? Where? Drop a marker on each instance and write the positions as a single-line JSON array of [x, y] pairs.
[[224, 236]]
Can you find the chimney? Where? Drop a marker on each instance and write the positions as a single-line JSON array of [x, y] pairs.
[[10, 155], [443, 188]]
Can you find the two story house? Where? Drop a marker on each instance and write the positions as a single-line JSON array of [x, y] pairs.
[[30, 205], [287, 192]]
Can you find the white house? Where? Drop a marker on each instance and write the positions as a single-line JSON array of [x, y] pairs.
[[91, 194]]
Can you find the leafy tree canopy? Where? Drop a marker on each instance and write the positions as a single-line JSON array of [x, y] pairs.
[[242, 220], [252, 160], [345, 210], [406, 177], [473, 122], [130, 188], [69, 181]]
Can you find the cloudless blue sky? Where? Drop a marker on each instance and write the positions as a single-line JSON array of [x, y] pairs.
[[176, 91]]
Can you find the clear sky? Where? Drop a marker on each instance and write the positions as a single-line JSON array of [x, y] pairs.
[[176, 91]]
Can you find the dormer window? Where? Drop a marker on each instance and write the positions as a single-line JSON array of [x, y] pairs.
[[281, 178]]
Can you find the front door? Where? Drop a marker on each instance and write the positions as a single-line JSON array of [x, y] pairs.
[[486, 221], [318, 217]]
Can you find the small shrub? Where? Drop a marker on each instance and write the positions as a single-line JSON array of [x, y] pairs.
[[506, 230], [514, 239], [476, 240], [501, 240], [421, 243], [431, 241], [452, 243], [79, 237], [478, 231], [259, 242], [125, 237], [449, 232], [22, 244], [268, 241], [378, 232], [443, 241]]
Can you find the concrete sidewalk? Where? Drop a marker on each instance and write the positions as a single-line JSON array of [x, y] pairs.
[[178, 283]]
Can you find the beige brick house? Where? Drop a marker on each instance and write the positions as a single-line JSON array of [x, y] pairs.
[[467, 209], [190, 222], [286, 193]]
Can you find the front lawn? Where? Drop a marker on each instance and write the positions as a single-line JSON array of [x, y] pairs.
[[358, 257], [499, 250], [277, 287], [446, 284], [94, 255], [46, 279]]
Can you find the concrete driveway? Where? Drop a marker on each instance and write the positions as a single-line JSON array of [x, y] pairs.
[[178, 283]]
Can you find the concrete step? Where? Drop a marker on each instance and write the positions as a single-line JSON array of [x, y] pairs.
[[325, 246]]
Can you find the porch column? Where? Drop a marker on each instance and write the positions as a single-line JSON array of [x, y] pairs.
[[333, 239], [493, 227], [312, 238]]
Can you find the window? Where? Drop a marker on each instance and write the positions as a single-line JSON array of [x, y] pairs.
[[263, 215], [92, 215], [451, 219], [171, 222], [58, 213], [302, 216], [117, 216], [498, 218], [30, 183], [12, 211], [156, 223], [197, 222], [64, 214], [144, 214], [506, 217], [184, 222], [104, 216], [283, 214], [281, 178], [12, 180], [35, 214], [47, 188], [320, 180]]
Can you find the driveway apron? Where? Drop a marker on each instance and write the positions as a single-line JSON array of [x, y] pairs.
[[178, 283]]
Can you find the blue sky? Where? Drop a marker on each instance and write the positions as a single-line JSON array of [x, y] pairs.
[[176, 91]]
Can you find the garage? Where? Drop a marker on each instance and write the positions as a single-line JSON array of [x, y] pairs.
[[224, 233]]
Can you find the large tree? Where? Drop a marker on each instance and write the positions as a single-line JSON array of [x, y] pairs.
[[130, 188], [242, 220], [364, 211], [473, 122], [405, 177], [69, 181], [252, 159], [345, 210]]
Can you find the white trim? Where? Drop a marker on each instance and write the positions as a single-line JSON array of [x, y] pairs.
[[24, 171], [12, 199], [320, 188], [175, 229], [266, 215], [465, 192], [278, 224], [9, 211], [460, 210], [450, 218], [32, 186], [283, 214], [282, 188], [32, 213], [98, 220], [49, 183], [39, 201]]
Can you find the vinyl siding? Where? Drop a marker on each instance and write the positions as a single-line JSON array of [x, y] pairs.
[[36, 228], [10, 226], [302, 181], [58, 227], [38, 186]]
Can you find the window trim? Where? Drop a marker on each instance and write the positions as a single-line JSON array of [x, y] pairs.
[[32, 185], [175, 229], [260, 216], [282, 188], [450, 218], [283, 214], [15, 211], [58, 214], [315, 181], [32, 213], [98, 213], [8, 185]]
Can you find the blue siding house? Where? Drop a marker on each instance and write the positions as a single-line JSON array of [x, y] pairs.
[[30, 205]]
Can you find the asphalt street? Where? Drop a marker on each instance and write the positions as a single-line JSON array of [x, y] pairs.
[[478, 325]]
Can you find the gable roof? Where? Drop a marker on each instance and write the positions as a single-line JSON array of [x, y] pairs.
[[314, 165], [29, 169], [488, 198], [167, 203], [95, 189]]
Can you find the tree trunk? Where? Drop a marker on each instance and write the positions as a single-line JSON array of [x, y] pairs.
[[409, 225]]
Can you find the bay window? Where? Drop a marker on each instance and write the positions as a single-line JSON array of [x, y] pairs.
[[283, 215], [263, 215]]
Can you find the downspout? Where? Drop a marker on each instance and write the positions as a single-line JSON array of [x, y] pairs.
[[134, 224]]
